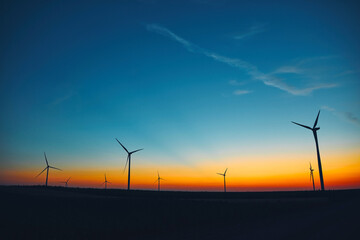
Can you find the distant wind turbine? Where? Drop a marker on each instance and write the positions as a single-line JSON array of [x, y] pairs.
[[314, 129], [47, 170], [66, 182], [158, 180], [224, 174], [312, 176], [128, 160], [106, 182]]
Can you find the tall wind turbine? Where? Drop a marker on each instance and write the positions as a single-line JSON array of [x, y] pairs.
[[128, 160], [224, 174], [47, 170], [158, 180], [66, 182], [106, 182], [312, 176], [314, 129]]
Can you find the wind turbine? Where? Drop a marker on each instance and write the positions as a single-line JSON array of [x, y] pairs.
[[47, 170], [314, 129], [128, 160], [312, 176], [224, 174], [106, 182], [66, 182], [158, 180]]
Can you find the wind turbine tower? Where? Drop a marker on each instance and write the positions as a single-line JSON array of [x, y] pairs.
[[128, 160], [106, 182], [312, 176], [224, 175], [314, 130], [47, 170], [158, 180], [66, 182]]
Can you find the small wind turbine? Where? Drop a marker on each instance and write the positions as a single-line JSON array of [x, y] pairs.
[[224, 174], [66, 182], [47, 170], [158, 180], [128, 160], [106, 182], [312, 176], [314, 129]]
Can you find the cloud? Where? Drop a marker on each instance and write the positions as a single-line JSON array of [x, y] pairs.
[[241, 92], [348, 116], [255, 29], [352, 118], [236, 83], [62, 99], [288, 69], [251, 70], [327, 108]]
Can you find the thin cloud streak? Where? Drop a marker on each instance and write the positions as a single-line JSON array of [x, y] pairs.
[[348, 116], [253, 30], [241, 92], [250, 69], [61, 99]]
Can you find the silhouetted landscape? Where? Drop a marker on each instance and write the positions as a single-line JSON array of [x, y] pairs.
[[36, 212], [149, 119]]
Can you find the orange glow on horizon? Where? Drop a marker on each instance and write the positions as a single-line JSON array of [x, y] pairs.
[[253, 174]]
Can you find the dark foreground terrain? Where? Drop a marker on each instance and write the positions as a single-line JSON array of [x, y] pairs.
[[74, 213]]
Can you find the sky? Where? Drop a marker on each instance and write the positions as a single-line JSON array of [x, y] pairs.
[[201, 85]]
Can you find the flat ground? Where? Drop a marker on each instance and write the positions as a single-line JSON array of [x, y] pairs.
[[75, 213]]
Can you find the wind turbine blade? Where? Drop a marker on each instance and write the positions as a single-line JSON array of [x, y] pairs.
[[162, 179], [317, 118], [122, 145], [302, 125], [136, 151], [156, 181], [47, 164], [225, 171], [55, 168], [127, 160], [41, 172], [220, 174], [68, 179]]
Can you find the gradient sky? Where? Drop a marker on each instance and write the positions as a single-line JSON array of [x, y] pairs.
[[200, 85]]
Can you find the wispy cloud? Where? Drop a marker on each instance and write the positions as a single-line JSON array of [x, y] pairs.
[[241, 92], [348, 116], [236, 83], [251, 70], [352, 118], [288, 69], [62, 99], [255, 29]]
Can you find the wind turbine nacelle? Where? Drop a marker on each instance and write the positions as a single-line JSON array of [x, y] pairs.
[[316, 128]]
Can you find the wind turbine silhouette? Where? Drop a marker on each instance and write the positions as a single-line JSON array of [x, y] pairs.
[[312, 176], [47, 170], [224, 174], [128, 160], [158, 180], [106, 182], [66, 182], [314, 129]]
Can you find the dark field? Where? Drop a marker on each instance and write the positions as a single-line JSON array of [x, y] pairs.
[[73, 213]]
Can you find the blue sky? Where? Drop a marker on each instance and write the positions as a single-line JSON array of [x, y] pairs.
[[186, 80]]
